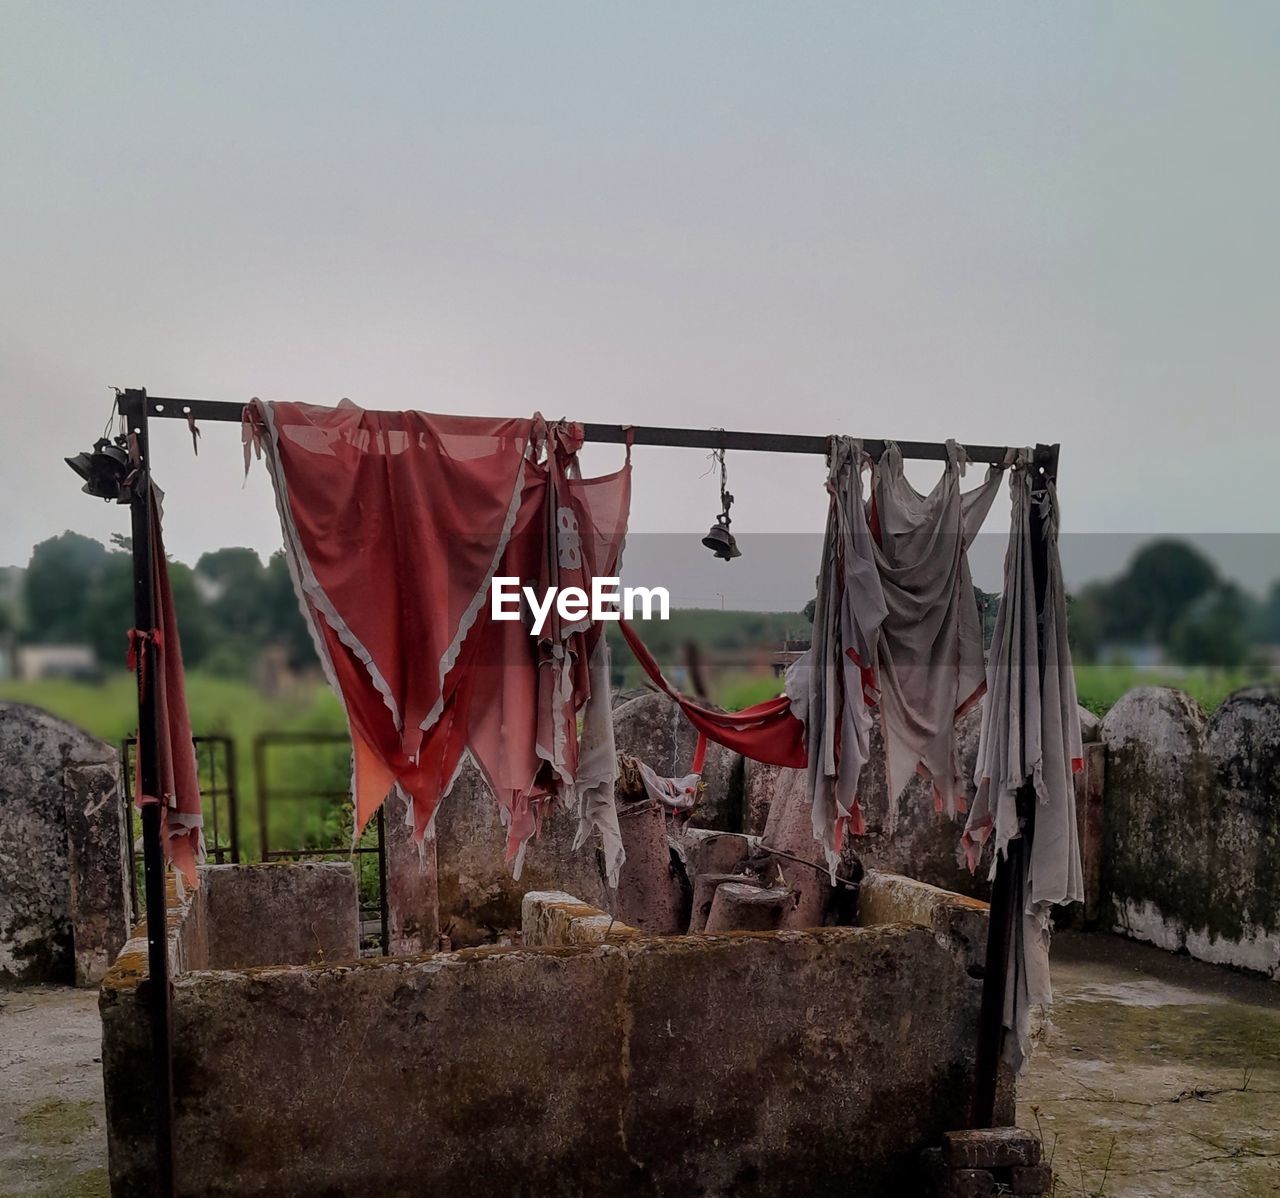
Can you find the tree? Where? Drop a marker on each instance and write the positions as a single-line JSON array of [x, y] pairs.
[[62, 574], [1215, 631], [108, 613], [1162, 582]]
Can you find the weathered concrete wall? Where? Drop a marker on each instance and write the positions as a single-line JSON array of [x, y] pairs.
[[280, 913], [64, 864], [1192, 825], [752, 1064]]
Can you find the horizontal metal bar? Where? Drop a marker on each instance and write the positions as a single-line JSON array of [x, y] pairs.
[[164, 407]]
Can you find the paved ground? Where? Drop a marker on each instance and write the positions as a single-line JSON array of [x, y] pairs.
[[53, 1143], [1163, 1077]]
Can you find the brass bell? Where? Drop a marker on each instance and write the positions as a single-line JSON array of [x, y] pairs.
[[721, 541]]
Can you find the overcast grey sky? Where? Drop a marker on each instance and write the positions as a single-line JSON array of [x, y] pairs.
[[999, 222]]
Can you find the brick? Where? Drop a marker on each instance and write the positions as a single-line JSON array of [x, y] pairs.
[[1031, 1181], [990, 1148], [970, 1183], [933, 1173]]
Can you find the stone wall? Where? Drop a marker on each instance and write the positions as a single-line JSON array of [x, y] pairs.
[[911, 839], [751, 1064], [64, 851], [281, 913], [1191, 817]]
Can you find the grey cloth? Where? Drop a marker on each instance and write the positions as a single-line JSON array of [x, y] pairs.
[[831, 686], [930, 649], [1030, 735], [598, 767]]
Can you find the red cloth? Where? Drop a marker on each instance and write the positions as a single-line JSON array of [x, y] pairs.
[[157, 652], [767, 732], [395, 525]]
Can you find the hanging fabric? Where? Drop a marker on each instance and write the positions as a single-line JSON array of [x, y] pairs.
[[767, 732], [157, 654], [395, 524], [1030, 737], [930, 649], [675, 794], [833, 686]]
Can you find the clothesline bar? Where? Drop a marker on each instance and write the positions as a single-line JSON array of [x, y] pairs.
[[165, 407]]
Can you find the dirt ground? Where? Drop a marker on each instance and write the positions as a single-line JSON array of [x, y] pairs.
[[53, 1142], [1162, 1077]]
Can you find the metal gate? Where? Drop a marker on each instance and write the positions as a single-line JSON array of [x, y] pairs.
[[305, 811], [220, 799]]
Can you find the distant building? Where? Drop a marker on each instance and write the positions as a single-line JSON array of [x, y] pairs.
[[791, 650], [56, 661]]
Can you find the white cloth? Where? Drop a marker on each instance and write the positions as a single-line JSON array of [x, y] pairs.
[[1030, 735], [930, 650], [832, 686]]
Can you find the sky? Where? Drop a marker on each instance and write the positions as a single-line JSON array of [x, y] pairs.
[[1004, 223]]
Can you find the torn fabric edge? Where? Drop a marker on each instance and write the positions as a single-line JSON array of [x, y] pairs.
[[833, 685], [1030, 736]]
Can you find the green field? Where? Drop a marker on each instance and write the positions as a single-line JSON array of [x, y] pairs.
[[235, 709]]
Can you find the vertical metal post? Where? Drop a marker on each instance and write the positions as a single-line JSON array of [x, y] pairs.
[[261, 785], [133, 406], [233, 798], [384, 903], [1007, 897]]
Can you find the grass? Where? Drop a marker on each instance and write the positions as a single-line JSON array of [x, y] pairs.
[[1099, 686]]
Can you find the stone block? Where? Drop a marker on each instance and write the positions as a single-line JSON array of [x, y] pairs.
[[99, 862], [1031, 1181], [706, 851], [281, 913], [552, 919], [790, 830], [478, 896], [990, 1148], [743, 907], [652, 889], [704, 893], [46, 765], [970, 1183]]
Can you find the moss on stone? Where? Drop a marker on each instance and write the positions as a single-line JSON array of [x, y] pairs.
[[55, 1121]]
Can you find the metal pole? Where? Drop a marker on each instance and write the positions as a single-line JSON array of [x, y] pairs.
[[133, 406], [233, 798], [384, 904], [169, 408], [1007, 897]]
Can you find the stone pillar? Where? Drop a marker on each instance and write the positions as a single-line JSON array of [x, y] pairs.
[[64, 882], [413, 901], [99, 863], [1090, 788]]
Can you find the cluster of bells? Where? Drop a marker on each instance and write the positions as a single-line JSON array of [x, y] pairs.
[[105, 469], [720, 540]]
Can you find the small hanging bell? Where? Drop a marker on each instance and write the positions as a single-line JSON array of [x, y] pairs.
[[721, 541]]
